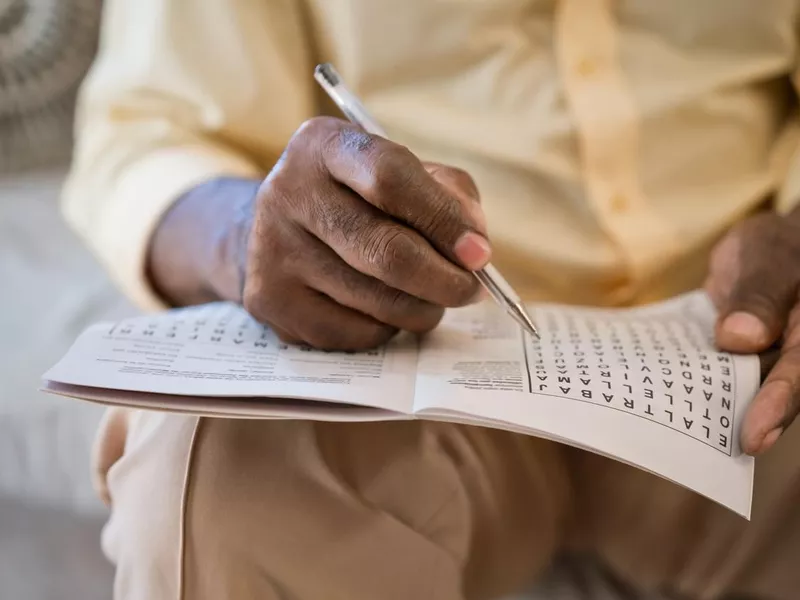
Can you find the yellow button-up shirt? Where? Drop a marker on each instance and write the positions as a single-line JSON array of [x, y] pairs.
[[613, 141]]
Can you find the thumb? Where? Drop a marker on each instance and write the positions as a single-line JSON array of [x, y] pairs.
[[756, 311]]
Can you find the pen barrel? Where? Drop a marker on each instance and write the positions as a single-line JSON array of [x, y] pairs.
[[357, 113], [496, 285]]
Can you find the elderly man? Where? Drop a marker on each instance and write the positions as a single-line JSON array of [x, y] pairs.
[[602, 152]]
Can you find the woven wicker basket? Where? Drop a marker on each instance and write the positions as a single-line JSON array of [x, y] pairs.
[[46, 47]]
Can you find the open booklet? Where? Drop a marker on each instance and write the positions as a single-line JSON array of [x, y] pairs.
[[644, 386]]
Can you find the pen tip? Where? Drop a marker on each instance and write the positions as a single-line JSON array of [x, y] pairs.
[[328, 73], [526, 321], [532, 331]]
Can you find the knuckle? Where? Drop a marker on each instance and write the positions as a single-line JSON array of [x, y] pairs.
[[460, 174], [317, 126], [455, 179], [255, 305], [391, 173], [258, 302], [462, 179], [270, 240], [391, 253], [354, 140], [467, 183], [277, 176], [315, 138], [260, 299], [282, 190]]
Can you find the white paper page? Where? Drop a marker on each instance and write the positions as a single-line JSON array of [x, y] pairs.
[[218, 350], [644, 385], [229, 407]]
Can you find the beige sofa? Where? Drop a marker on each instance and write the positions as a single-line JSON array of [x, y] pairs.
[[51, 289]]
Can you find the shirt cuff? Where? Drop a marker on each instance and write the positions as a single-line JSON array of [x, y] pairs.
[[144, 192]]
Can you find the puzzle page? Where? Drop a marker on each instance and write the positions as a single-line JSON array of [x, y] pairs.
[[218, 350], [645, 386]]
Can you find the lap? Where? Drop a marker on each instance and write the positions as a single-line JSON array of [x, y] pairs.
[[414, 509], [403, 507], [379, 510], [659, 535]]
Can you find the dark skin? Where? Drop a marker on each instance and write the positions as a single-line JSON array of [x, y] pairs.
[[348, 240], [351, 238], [754, 279]]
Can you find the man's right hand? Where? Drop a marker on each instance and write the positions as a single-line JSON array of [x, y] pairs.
[[350, 239]]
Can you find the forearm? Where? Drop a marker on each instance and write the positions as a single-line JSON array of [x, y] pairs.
[[197, 252]]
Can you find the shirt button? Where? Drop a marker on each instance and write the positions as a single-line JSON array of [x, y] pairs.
[[619, 203], [586, 67]]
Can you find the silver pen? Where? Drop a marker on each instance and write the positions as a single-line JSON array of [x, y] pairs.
[[353, 109]]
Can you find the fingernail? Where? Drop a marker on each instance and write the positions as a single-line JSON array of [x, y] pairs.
[[473, 250], [770, 439], [746, 328]]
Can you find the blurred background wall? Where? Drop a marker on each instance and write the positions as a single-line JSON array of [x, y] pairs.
[[50, 289]]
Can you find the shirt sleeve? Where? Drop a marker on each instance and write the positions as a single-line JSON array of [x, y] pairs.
[[786, 159], [181, 92]]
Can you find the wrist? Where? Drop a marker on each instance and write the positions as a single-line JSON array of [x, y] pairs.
[[224, 270], [198, 251]]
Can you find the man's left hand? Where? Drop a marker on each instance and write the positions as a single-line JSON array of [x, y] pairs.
[[754, 281]]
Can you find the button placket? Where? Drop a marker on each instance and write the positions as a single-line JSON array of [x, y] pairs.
[[607, 129], [619, 203]]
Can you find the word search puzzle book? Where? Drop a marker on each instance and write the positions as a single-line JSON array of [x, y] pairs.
[[645, 386]]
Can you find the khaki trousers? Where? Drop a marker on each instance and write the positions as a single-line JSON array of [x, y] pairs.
[[216, 509]]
